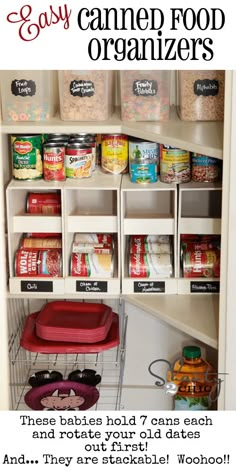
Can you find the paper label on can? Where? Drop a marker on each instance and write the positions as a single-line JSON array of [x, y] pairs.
[[150, 265], [143, 150], [143, 173], [78, 163]]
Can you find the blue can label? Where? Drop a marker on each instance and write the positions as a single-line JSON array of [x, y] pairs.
[[143, 172]]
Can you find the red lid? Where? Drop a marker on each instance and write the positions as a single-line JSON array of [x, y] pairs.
[[74, 322], [31, 342]]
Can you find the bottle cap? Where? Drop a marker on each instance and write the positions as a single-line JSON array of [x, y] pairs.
[[191, 352]]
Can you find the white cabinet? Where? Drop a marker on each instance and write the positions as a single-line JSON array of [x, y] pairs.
[[109, 204]]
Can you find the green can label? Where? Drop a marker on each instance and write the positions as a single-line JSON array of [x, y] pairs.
[[27, 157]]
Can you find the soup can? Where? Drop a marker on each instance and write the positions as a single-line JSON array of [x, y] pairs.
[[78, 160], [36, 263], [174, 165], [93, 238], [149, 247], [54, 161], [27, 163], [143, 172], [153, 238], [150, 265], [204, 168], [41, 243], [201, 263], [87, 248], [92, 265], [45, 203], [114, 158]]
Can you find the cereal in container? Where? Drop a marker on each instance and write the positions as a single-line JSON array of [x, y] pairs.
[[145, 95], [201, 95], [85, 95], [28, 95]]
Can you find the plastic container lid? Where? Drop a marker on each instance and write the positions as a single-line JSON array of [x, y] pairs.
[[191, 352], [74, 322]]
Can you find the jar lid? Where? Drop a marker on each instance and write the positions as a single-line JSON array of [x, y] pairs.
[[191, 352]]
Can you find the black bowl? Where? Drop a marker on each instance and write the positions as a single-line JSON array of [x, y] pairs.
[[44, 377]]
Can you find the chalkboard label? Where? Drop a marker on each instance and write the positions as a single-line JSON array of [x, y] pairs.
[[145, 88], [23, 88], [91, 286], [82, 88], [36, 286], [149, 287], [206, 87], [205, 287]]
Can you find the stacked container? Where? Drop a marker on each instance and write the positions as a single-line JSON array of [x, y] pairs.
[[201, 95], [86, 95], [145, 95], [29, 95]]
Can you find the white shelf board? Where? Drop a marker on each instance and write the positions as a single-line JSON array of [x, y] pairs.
[[200, 186], [35, 185], [36, 223], [148, 226], [184, 284], [191, 314], [128, 285], [99, 180], [15, 286], [201, 137], [112, 287], [199, 225]]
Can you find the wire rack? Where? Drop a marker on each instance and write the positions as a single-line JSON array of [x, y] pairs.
[[109, 364]]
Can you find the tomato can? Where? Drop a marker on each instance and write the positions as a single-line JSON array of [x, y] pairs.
[[36, 263], [93, 238], [27, 163], [150, 265], [92, 265], [204, 168], [114, 158], [45, 203], [200, 263], [140, 247], [41, 243], [78, 160], [54, 162], [87, 248], [174, 165], [153, 238]]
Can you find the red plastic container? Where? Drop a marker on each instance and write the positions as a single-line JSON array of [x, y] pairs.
[[74, 322], [31, 342]]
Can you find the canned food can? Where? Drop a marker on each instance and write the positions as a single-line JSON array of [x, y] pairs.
[[92, 265], [86, 248], [114, 158], [150, 266], [174, 165], [57, 137], [42, 235], [152, 248], [54, 162], [45, 203], [199, 263], [93, 238], [41, 243], [143, 150], [35, 263], [143, 172], [78, 160], [27, 163], [153, 238], [204, 168]]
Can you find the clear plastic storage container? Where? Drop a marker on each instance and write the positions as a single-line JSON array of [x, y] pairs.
[[201, 95], [145, 95], [86, 95], [28, 95]]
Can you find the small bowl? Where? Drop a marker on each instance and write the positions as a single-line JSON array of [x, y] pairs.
[[44, 377]]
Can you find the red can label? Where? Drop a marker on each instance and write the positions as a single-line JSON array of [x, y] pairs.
[[54, 164], [91, 265], [87, 248], [93, 238], [44, 203], [150, 265], [34, 263], [140, 247], [201, 263]]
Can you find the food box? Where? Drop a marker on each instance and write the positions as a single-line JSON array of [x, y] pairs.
[[28, 95], [85, 95], [201, 95], [145, 95]]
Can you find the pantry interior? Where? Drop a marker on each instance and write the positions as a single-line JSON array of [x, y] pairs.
[[152, 326]]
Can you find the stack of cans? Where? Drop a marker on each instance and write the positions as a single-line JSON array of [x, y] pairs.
[[150, 256], [92, 255]]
